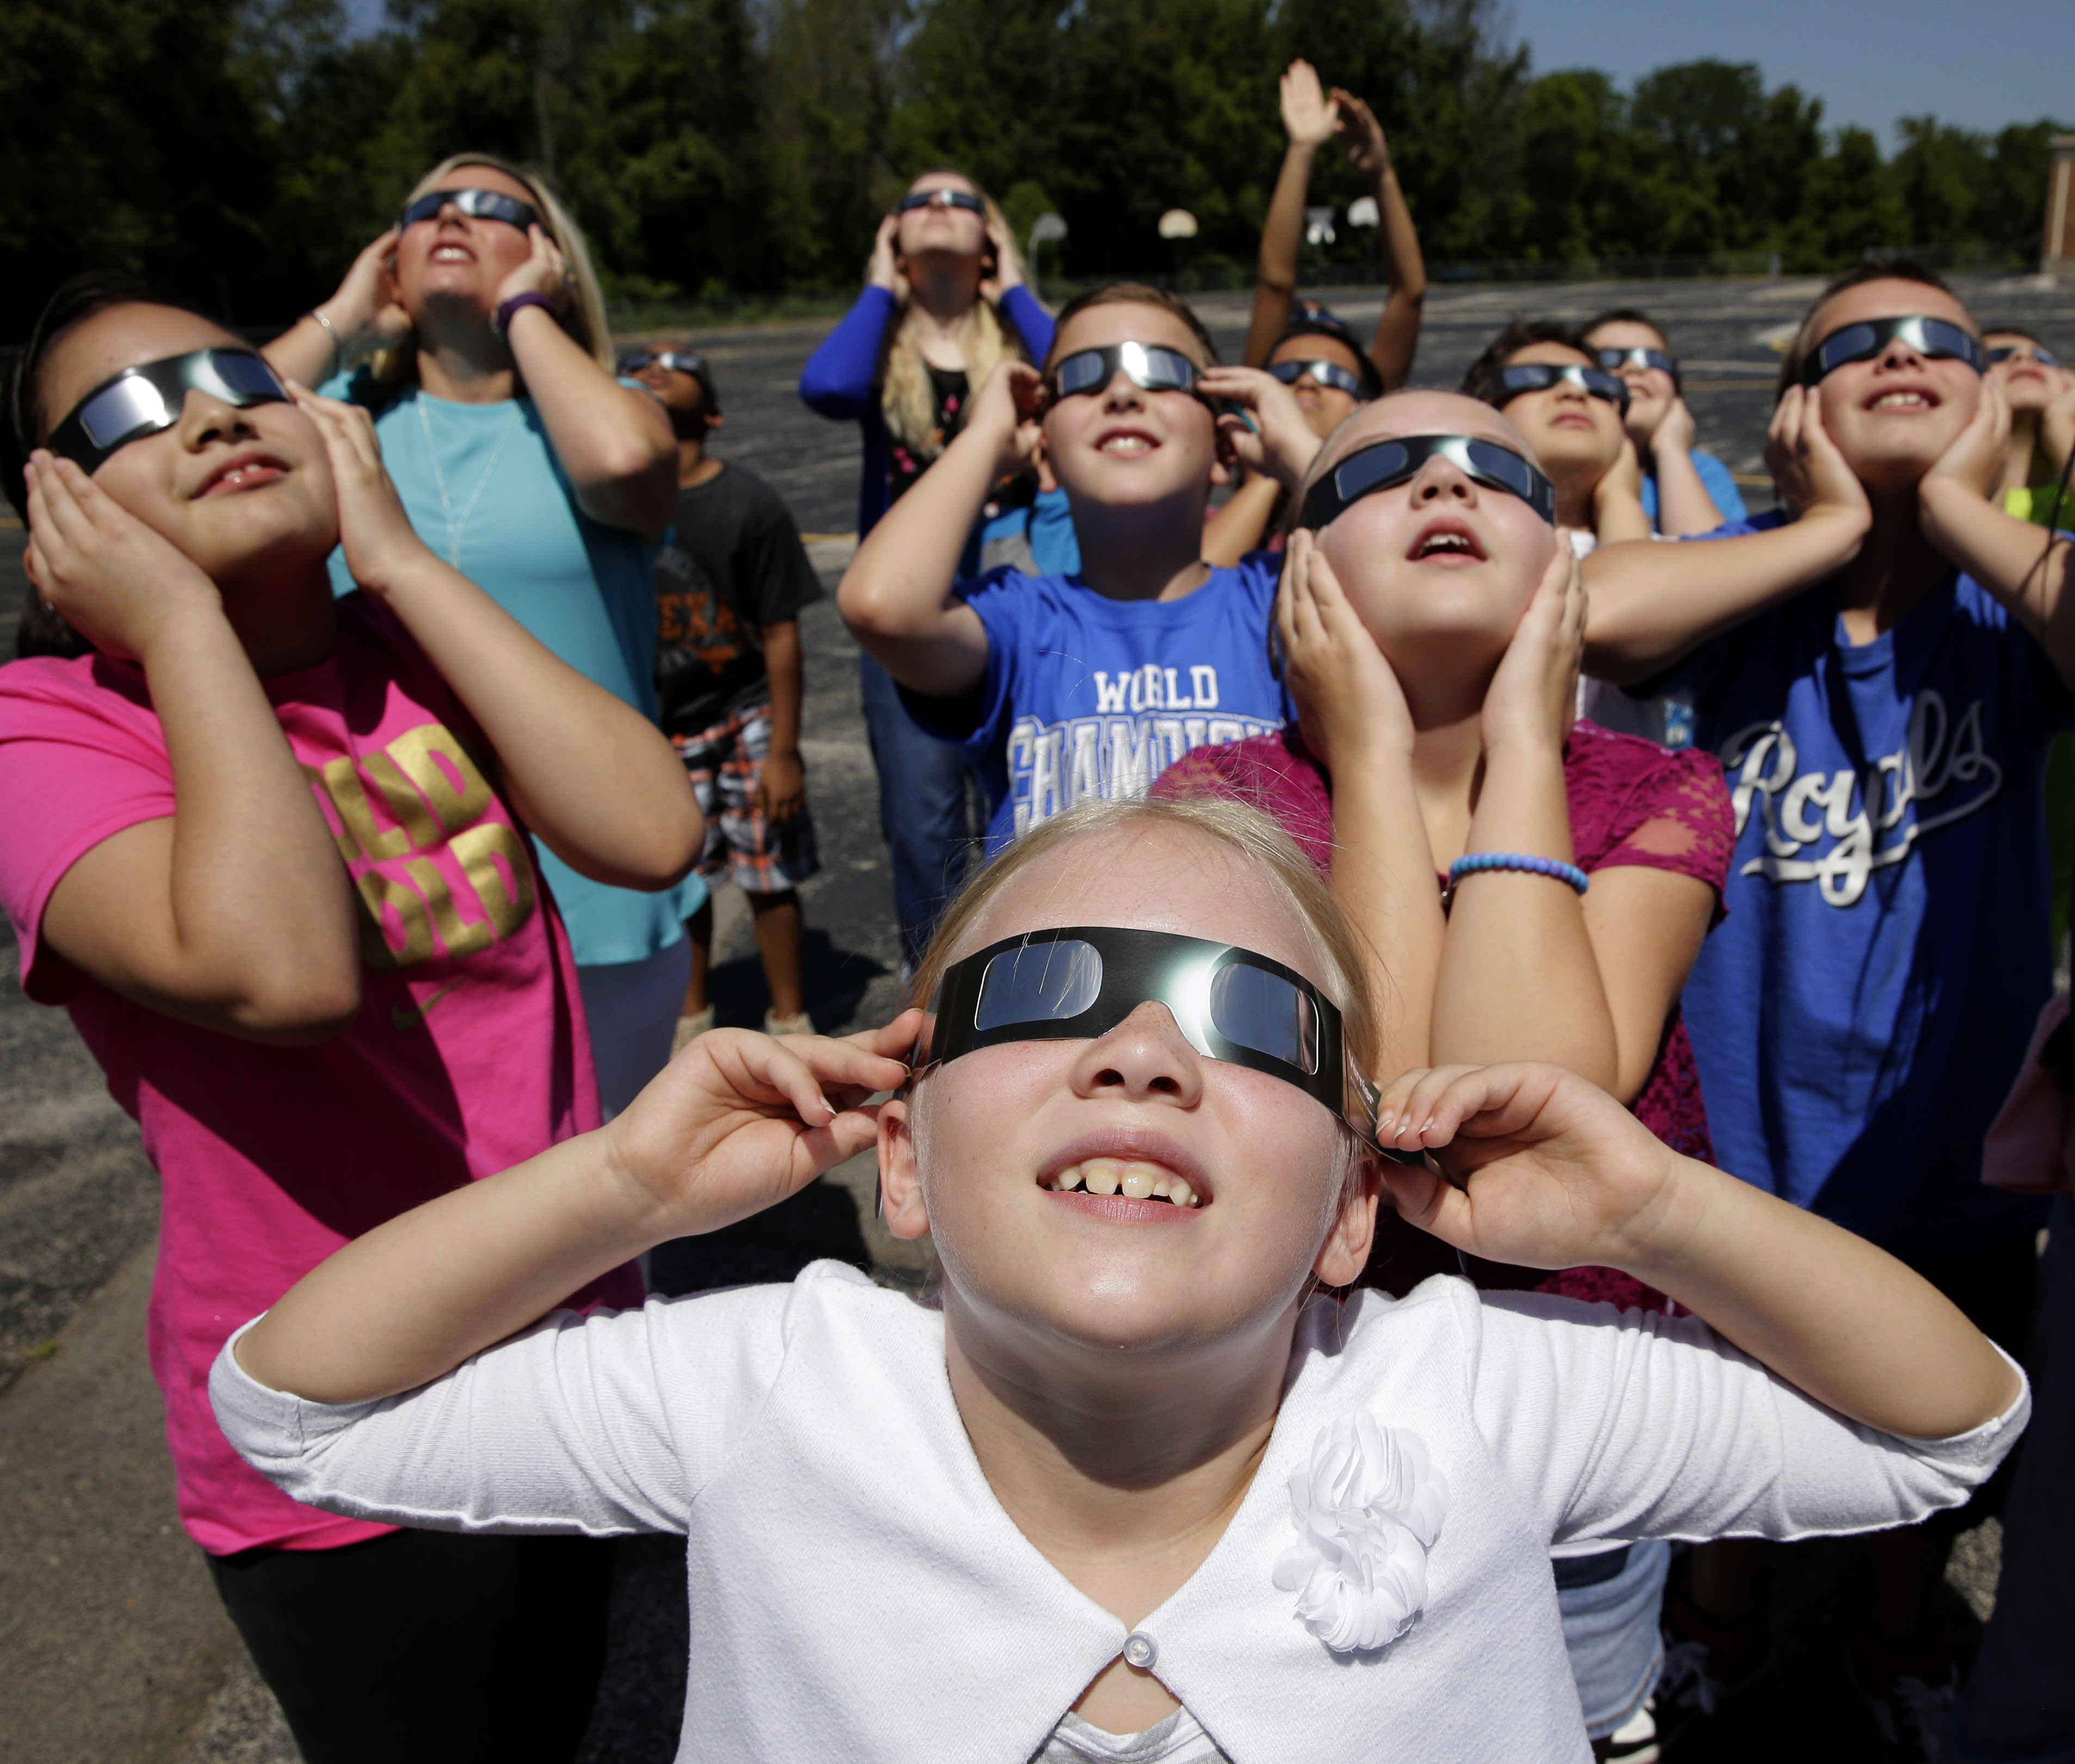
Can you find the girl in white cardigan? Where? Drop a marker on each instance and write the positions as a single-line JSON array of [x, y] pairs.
[[1133, 1485]]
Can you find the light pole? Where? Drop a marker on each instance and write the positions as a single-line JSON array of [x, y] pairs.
[[1045, 228]]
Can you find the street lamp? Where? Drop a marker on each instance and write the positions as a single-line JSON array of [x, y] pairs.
[[1046, 229]]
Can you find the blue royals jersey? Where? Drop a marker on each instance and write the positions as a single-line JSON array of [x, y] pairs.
[[1860, 1015], [1086, 697]]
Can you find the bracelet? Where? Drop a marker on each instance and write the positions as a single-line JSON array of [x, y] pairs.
[[337, 342], [1475, 861], [510, 309]]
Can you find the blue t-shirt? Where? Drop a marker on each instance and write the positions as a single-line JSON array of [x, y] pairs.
[[509, 523], [1860, 1015], [1715, 479], [1085, 697]]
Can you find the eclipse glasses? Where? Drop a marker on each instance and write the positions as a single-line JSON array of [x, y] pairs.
[[1939, 338], [942, 199], [477, 205], [2038, 352], [1148, 367], [1614, 360], [1324, 373], [675, 360], [140, 401], [1539, 376], [1382, 464], [1080, 982]]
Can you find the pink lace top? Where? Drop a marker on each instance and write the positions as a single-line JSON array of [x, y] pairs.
[[1631, 802]]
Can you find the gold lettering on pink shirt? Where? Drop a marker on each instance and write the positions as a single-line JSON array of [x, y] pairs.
[[342, 784], [479, 847], [380, 895], [415, 752]]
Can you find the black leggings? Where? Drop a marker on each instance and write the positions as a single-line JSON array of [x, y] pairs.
[[425, 1646]]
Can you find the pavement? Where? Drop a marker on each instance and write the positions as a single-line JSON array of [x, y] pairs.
[[113, 1648]]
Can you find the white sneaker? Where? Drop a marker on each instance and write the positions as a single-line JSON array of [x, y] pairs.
[[689, 1029]]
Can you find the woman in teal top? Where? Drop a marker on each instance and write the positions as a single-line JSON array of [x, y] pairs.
[[527, 465]]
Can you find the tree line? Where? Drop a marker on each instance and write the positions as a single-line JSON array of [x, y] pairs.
[[239, 154]]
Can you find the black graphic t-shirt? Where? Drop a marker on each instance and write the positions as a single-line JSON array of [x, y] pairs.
[[732, 565], [950, 388]]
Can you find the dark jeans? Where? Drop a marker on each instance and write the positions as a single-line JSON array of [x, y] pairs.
[[921, 807], [425, 1648]]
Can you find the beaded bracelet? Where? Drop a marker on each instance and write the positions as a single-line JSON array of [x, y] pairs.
[[337, 342], [1475, 861]]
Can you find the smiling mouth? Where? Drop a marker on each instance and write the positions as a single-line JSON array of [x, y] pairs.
[[1903, 400], [452, 254], [1448, 542], [1128, 444], [248, 474], [1127, 1177]]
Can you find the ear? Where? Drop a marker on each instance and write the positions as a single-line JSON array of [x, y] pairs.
[[714, 419], [1224, 446], [1041, 458], [900, 1182], [1345, 1253]]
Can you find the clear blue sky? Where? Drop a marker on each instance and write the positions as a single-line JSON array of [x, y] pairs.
[[1980, 64]]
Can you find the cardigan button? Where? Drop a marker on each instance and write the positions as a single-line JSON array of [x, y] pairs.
[[1141, 1650]]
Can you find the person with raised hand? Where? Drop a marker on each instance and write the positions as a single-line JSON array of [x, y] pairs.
[[2040, 393], [1530, 886], [1069, 687], [1200, 1505], [1881, 667], [944, 302], [269, 849], [1684, 491], [533, 470]]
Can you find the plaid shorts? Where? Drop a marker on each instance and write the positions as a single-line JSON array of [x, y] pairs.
[[724, 763]]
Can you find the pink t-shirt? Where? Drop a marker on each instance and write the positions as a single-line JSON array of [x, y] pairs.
[[469, 1054]]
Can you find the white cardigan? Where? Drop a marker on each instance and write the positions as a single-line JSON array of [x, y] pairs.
[[858, 1592]]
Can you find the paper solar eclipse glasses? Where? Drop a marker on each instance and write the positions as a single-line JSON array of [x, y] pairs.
[[1149, 367], [675, 360], [143, 400], [943, 199], [1080, 982], [1539, 376], [1324, 374], [1614, 360], [1939, 338], [2038, 352], [477, 205], [1383, 464]]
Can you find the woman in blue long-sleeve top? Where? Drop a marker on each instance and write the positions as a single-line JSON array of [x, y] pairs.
[[943, 302]]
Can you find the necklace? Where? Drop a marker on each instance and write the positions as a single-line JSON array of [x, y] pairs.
[[455, 528]]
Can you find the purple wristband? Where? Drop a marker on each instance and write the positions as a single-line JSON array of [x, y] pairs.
[[509, 310]]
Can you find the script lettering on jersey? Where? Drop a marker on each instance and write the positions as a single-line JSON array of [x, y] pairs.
[[1942, 773], [437, 878], [1145, 720]]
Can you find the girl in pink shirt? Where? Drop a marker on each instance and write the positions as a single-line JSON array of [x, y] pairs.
[[271, 851], [1431, 622]]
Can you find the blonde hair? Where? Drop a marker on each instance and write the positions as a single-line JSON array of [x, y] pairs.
[[906, 398], [584, 321], [1254, 838]]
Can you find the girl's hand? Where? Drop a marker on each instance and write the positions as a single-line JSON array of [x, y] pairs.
[[1811, 474], [1283, 443], [364, 311], [885, 269], [113, 579], [1011, 401], [2056, 428], [544, 272], [1362, 135], [1534, 695], [1542, 1168], [781, 787], [1974, 460], [1309, 117], [1676, 429], [1008, 261], [738, 1121], [379, 538], [1349, 702]]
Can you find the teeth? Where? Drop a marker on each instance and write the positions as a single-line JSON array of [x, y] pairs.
[[1137, 1183], [1897, 400], [1068, 1179], [1163, 1187], [1179, 1192], [1133, 1181], [1101, 1175], [1127, 444]]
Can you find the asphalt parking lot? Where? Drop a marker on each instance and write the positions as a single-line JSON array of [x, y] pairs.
[[112, 1646]]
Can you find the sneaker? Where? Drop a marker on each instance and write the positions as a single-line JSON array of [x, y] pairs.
[[1634, 1742], [776, 1025], [1707, 1666], [689, 1029], [1910, 1705]]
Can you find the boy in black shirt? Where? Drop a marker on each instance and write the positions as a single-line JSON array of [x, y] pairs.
[[730, 579]]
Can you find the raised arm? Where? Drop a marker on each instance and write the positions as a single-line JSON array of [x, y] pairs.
[[1653, 604], [233, 912], [896, 595], [363, 314], [1683, 505], [1397, 338], [2024, 567], [591, 775], [1543, 1169], [1309, 118], [837, 381], [734, 1124]]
